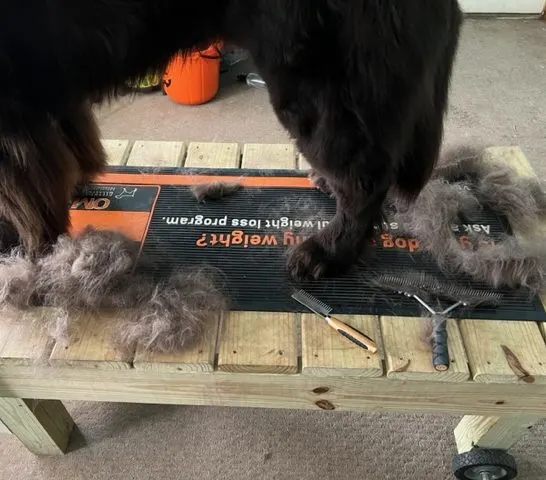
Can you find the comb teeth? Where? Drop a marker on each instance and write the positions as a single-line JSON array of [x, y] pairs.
[[472, 296], [311, 302], [412, 283], [392, 281], [422, 283]]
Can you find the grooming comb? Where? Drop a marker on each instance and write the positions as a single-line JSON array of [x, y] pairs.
[[423, 284], [418, 285], [323, 310]]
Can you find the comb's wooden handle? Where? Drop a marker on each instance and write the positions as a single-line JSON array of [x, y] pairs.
[[352, 334]]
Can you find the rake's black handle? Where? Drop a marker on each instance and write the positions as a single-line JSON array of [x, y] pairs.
[[440, 351]]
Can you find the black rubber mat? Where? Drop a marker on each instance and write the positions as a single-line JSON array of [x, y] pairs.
[[246, 235]]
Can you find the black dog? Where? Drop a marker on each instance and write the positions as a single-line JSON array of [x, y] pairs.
[[361, 84]]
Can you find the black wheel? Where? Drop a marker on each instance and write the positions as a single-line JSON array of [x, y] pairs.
[[484, 464]]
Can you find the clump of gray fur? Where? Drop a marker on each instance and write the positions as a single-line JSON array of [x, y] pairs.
[[86, 271], [520, 199], [462, 183], [215, 190], [17, 279], [461, 163], [512, 263], [175, 312], [94, 271]]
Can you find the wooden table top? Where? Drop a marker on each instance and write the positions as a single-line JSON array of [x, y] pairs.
[[298, 358]]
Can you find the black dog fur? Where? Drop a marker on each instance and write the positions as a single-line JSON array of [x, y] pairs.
[[361, 84]]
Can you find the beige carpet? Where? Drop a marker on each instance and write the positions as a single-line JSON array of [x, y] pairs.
[[498, 98], [125, 442]]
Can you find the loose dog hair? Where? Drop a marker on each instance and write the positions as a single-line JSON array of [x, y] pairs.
[[463, 184], [362, 85], [215, 190], [94, 272]]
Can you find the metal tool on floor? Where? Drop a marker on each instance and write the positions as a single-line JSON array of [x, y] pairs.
[[252, 80], [323, 310]]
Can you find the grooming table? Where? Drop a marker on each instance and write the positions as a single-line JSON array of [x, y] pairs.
[[279, 360]]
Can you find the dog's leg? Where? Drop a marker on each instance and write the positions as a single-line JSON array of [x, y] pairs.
[[356, 141], [319, 182], [423, 151], [82, 137], [8, 237], [361, 116], [359, 191], [38, 172], [35, 202]]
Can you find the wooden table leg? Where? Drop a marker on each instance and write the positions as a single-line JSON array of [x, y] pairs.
[[4, 430], [43, 426], [492, 432]]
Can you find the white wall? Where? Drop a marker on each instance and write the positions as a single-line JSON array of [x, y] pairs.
[[502, 6]]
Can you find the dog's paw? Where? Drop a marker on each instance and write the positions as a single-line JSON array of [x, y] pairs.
[[319, 182], [309, 261]]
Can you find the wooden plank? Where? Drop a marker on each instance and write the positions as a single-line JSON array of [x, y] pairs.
[[91, 346], [4, 430], [511, 156], [326, 353], [157, 154], [256, 342], [43, 426], [408, 358], [269, 156], [213, 155], [274, 391], [492, 432], [303, 164], [117, 151], [200, 356], [490, 363], [516, 159], [542, 325], [22, 342], [193, 359], [260, 342]]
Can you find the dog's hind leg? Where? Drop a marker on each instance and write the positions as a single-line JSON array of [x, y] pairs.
[[40, 165], [355, 110], [354, 145], [82, 137], [424, 148]]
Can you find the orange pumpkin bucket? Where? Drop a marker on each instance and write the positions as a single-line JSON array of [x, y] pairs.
[[195, 78]]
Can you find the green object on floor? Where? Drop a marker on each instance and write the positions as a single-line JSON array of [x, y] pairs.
[[149, 83]]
